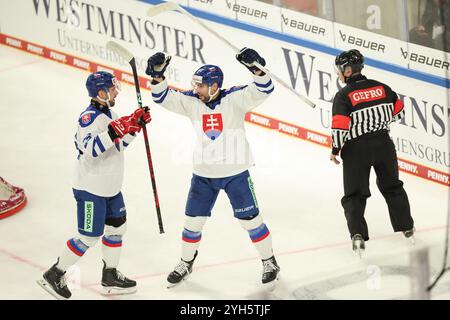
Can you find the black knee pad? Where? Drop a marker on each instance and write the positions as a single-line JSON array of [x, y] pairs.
[[249, 217], [116, 222]]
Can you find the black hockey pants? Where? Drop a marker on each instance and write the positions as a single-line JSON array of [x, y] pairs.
[[359, 155]]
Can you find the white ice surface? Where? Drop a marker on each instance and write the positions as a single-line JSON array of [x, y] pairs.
[[297, 187]]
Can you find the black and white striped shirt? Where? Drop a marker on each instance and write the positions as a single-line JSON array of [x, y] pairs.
[[361, 107]]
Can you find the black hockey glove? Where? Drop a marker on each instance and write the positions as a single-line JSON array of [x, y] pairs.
[[157, 64], [248, 57]]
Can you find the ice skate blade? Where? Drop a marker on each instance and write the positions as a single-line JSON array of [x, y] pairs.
[[359, 252], [110, 291], [270, 286], [171, 285], [358, 247], [47, 287]]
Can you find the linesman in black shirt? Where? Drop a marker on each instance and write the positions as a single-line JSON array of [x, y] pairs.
[[362, 113]]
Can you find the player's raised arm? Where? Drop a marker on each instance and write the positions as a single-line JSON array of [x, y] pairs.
[[168, 98], [251, 96]]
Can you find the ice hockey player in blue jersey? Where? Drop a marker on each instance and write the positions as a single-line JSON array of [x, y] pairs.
[[100, 141], [222, 155]]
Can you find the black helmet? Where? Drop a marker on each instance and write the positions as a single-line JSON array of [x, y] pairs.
[[352, 58]]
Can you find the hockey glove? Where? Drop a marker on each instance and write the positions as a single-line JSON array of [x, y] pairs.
[[142, 116], [124, 125], [248, 57], [157, 64]]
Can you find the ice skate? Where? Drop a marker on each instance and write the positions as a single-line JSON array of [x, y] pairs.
[[54, 282], [270, 274], [114, 282], [181, 272], [358, 245]]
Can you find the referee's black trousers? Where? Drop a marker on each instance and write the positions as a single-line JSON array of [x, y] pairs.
[[375, 150]]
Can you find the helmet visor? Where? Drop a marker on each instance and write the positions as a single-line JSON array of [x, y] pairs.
[[339, 68], [116, 84], [196, 82]]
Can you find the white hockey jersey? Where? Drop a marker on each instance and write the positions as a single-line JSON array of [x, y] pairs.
[[222, 149], [99, 166]]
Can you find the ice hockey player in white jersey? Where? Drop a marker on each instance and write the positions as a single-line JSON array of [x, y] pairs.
[[222, 155], [100, 141]]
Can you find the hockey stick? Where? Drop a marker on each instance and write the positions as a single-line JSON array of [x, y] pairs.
[[124, 53], [171, 6]]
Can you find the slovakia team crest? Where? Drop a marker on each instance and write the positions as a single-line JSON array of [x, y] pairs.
[[86, 118], [212, 125]]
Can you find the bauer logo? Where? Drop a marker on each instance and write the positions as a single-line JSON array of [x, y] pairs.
[[212, 125], [302, 26], [425, 60], [252, 12], [88, 216], [363, 43]]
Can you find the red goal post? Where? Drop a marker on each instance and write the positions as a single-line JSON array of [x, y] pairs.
[[12, 199]]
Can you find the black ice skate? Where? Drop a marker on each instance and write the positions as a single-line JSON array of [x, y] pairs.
[[54, 282], [270, 272], [358, 245], [409, 234], [182, 270], [114, 282]]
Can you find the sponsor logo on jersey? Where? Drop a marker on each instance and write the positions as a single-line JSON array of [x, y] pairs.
[[88, 216], [212, 125], [367, 95]]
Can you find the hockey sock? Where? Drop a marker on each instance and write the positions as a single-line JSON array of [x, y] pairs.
[[112, 244], [111, 249], [74, 250], [192, 234], [260, 236]]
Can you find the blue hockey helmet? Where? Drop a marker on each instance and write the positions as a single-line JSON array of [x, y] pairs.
[[208, 74], [101, 80]]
